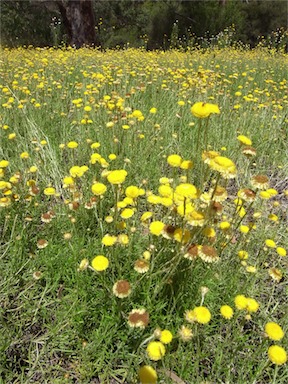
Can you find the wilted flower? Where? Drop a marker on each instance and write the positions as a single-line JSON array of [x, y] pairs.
[[138, 318]]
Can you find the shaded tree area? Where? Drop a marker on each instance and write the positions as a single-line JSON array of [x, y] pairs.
[[150, 23]]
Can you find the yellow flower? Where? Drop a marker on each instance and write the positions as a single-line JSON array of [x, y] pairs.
[[274, 331], [127, 213], [252, 305], [153, 110], [133, 191], [109, 240], [166, 336], [174, 160], [270, 243], [223, 165], [156, 227], [244, 140], [147, 375], [226, 311], [100, 263], [117, 176], [281, 251], [49, 191], [186, 164], [24, 155], [277, 355], [98, 189], [77, 171], [202, 315], [72, 144], [155, 350], [243, 255], [203, 110], [240, 302], [146, 215], [186, 190], [4, 163]]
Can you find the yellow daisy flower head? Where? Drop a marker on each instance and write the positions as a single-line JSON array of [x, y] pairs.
[[155, 350], [24, 155], [277, 355], [147, 375], [72, 144], [4, 163], [117, 176], [186, 190], [226, 311], [252, 305], [49, 191], [127, 213], [100, 263], [281, 251], [223, 165], [274, 331], [156, 227], [174, 160], [109, 240], [202, 315], [244, 140], [98, 189], [203, 110], [270, 243], [166, 336], [133, 191], [240, 302], [146, 216], [186, 164]]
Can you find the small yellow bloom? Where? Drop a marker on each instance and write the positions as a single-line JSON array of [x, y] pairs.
[[240, 302], [117, 176], [24, 155], [155, 350], [98, 189], [244, 140], [203, 110], [166, 336], [109, 240], [174, 160], [72, 144], [226, 311], [156, 227], [252, 305], [277, 355], [281, 251], [202, 315], [49, 191], [147, 375], [270, 243], [274, 331], [100, 263]]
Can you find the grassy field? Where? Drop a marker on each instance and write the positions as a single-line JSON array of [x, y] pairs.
[[103, 155]]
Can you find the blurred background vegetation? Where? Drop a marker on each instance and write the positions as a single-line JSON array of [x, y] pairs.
[[150, 24]]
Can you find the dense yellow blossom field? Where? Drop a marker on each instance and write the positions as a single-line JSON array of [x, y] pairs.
[[143, 208]]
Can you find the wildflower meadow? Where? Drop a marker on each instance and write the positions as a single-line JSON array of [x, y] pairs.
[[143, 211]]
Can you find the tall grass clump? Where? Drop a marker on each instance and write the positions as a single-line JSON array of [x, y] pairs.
[[143, 216]]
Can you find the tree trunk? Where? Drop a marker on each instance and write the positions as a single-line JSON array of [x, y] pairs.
[[79, 22]]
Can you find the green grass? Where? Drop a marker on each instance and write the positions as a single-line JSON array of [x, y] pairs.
[[68, 326]]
